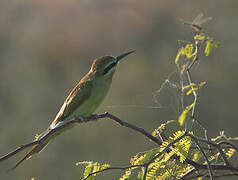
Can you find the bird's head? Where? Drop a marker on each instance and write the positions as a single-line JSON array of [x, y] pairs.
[[106, 65]]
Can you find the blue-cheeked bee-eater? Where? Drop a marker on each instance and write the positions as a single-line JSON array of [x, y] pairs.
[[84, 99]]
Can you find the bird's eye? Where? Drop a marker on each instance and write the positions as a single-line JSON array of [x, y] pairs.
[[107, 69]]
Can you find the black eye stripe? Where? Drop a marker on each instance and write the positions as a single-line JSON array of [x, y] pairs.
[[109, 67]]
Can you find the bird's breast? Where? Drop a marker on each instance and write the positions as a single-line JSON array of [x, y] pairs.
[[97, 95]]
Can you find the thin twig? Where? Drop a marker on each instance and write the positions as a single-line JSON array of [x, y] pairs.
[[218, 147], [205, 156], [197, 45], [111, 168], [189, 172], [189, 77], [229, 144]]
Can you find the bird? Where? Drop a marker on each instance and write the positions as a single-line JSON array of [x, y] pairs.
[[83, 99]]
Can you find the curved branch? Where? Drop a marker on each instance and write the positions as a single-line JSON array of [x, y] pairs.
[[82, 120]]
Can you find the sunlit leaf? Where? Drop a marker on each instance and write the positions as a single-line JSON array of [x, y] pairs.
[[178, 55], [208, 48], [191, 90], [188, 50], [188, 86], [104, 166], [161, 127], [210, 45], [140, 175], [83, 163], [230, 152], [143, 157], [200, 37], [184, 67], [201, 84], [96, 167], [126, 175], [196, 155], [217, 45], [183, 116], [88, 169], [37, 136]]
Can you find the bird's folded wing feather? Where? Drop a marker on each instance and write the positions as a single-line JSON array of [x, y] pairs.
[[76, 97]]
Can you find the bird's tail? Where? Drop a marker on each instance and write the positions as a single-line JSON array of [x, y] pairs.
[[35, 149]]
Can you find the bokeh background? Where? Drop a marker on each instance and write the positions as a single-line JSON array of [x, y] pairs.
[[47, 46]]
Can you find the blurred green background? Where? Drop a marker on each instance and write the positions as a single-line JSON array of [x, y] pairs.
[[47, 46]]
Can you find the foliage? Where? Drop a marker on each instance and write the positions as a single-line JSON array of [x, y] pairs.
[[183, 116], [169, 160], [91, 167]]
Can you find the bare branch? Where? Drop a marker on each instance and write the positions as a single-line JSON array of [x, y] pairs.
[[82, 120], [17, 150]]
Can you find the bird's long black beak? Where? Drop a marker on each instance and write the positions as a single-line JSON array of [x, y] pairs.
[[124, 55]]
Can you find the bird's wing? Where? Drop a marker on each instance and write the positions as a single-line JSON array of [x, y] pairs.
[[76, 97]]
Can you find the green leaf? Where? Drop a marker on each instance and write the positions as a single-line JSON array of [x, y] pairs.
[[208, 48], [188, 50], [83, 163], [183, 148], [126, 175], [143, 157], [184, 67], [37, 136], [179, 53], [92, 167], [201, 84], [230, 152], [189, 86], [217, 45], [196, 155], [88, 169], [104, 166], [191, 90], [183, 116], [199, 37], [210, 45], [96, 167], [153, 168], [161, 127], [140, 175]]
